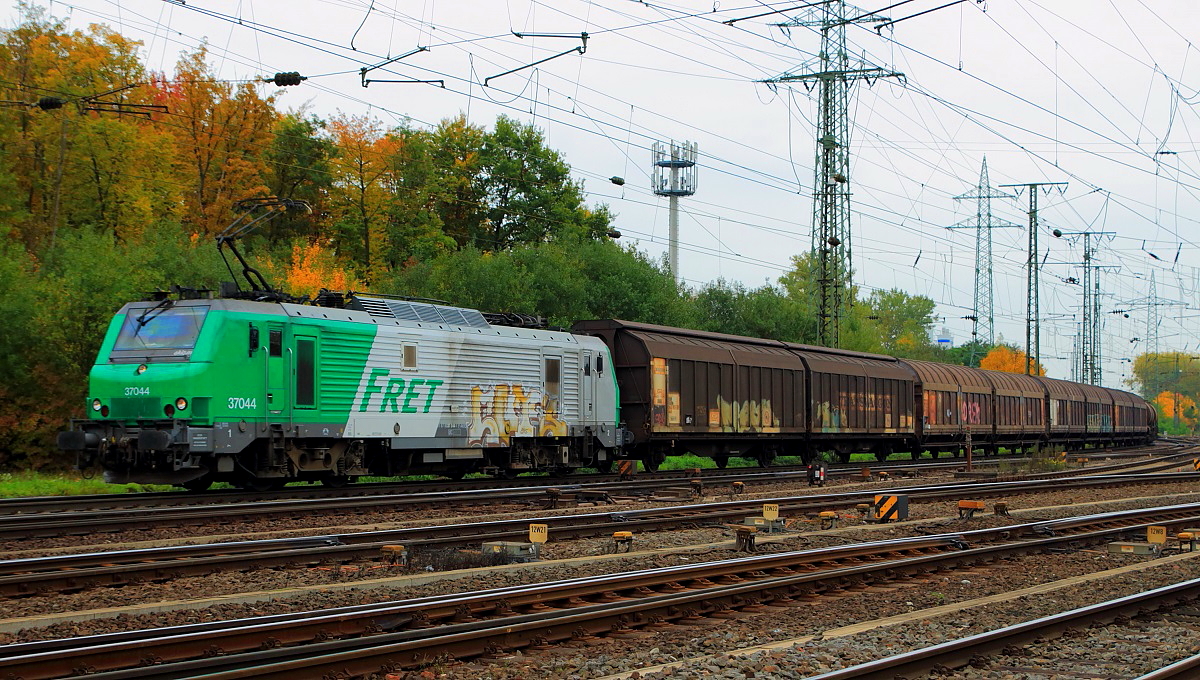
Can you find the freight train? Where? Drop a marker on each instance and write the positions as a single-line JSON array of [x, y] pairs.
[[192, 388]]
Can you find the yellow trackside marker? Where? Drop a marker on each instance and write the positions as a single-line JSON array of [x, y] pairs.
[[771, 511], [538, 533], [1156, 534], [1196, 463]]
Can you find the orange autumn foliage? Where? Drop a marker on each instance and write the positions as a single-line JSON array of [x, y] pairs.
[[313, 268], [1008, 360], [1167, 403]]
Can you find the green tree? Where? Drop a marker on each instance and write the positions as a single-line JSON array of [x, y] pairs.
[[529, 191], [899, 322], [764, 312], [298, 168]]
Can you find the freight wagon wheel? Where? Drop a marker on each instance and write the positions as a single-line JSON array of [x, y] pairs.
[[335, 481], [721, 461]]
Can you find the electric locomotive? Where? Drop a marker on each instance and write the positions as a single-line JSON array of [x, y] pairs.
[[256, 388], [203, 389]]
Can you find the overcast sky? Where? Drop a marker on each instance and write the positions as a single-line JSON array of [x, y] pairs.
[[1098, 93]]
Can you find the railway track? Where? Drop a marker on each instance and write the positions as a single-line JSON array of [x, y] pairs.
[[31, 576], [23, 526], [390, 636], [643, 482]]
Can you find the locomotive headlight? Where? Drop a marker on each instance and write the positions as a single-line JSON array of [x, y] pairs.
[[180, 403], [95, 404], [141, 369]]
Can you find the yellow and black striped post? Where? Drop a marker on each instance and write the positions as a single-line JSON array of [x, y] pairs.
[[890, 508], [1196, 464]]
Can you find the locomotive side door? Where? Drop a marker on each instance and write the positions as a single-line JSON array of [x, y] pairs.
[[278, 370], [587, 382]]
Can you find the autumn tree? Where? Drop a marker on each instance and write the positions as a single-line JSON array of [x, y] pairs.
[[312, 268], [1177, 412], [69, 167], [1009, 360], [360, 195], [222, 134]]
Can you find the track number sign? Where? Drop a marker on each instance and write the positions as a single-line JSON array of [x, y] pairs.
[[771, 510], [1156, 534], [538, 533]]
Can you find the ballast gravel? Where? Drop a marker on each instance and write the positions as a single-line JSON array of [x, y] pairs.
[[709, 645]]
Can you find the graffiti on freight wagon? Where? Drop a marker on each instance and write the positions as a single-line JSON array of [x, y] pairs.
[[502, 411]]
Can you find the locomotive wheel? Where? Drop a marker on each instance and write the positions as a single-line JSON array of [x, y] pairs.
[[335, 481]]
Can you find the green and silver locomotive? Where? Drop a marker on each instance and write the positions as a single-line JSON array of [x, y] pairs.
[[195, 390]]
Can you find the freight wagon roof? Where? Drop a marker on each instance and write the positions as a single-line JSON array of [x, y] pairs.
[[617, 324], [1015, 382], [1096, 394], [1123, 398], [935, 375], [1063, 389]]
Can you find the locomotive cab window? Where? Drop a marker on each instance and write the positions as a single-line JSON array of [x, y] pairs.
[[160, 327], [275, 342]]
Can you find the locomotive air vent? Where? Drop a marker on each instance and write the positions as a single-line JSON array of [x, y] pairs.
[[421, 312]]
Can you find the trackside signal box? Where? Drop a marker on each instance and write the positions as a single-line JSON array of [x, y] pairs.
[[890, 508]]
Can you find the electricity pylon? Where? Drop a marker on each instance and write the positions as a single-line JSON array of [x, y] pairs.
[[1033, 322], [984, 327], [833, 73]]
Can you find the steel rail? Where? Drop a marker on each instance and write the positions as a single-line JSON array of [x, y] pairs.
[[31, 576], [1185, 668], [958, 653]]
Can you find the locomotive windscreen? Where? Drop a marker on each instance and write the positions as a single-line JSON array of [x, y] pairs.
[[156, 328]]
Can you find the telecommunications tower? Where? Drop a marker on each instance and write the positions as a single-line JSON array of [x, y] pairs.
[[674, 175]]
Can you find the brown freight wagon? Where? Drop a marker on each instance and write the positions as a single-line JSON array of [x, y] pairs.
[[952, 401], [721, 395]]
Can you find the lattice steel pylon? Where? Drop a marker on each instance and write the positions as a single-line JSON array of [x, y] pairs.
[[833, 73], [984, 327]]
